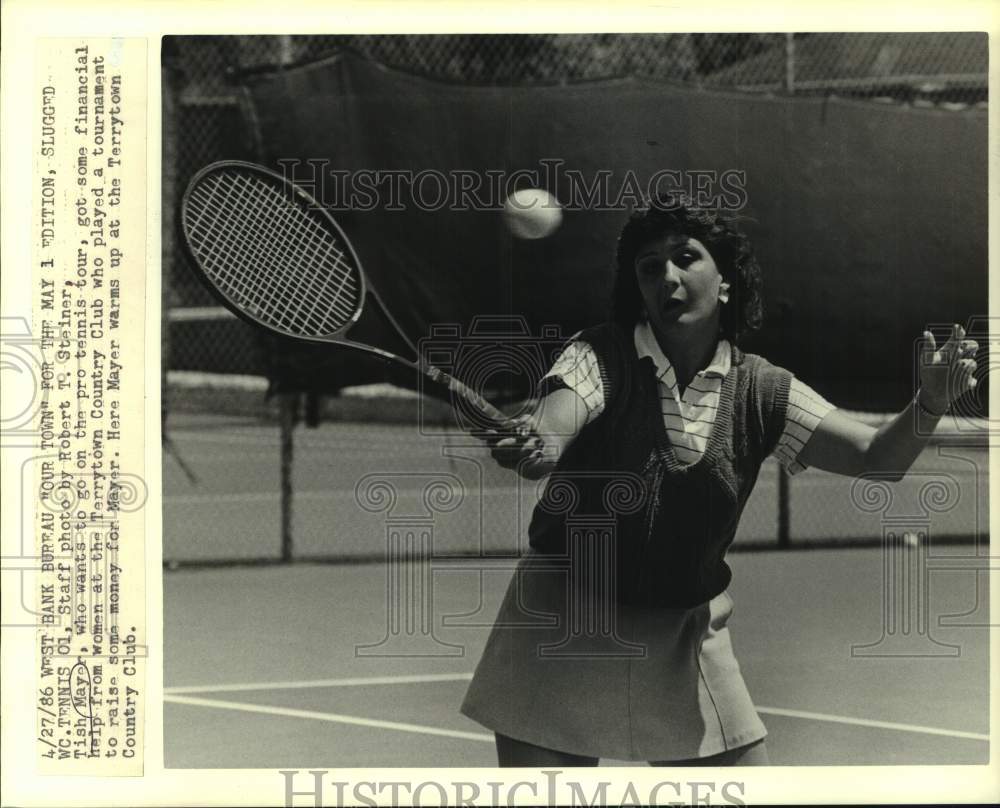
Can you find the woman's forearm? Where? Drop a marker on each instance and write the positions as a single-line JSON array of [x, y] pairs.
[[843, 445], [897, 443]]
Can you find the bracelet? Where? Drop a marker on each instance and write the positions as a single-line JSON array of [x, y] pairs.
[[924, 410]]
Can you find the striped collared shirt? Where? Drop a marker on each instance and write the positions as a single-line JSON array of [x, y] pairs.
[[689, 416]]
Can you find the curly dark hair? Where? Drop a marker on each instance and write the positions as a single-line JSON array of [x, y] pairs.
[[730, 248]]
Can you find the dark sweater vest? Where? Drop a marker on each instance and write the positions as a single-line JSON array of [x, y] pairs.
[[670, 525]]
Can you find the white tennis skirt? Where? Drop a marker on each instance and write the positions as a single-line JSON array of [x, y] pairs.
[[577, 673]]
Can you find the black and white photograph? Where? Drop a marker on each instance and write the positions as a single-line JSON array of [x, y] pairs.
[[568, 400], [492, 403]]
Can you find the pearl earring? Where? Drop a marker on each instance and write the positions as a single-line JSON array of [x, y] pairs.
[[723, 292]]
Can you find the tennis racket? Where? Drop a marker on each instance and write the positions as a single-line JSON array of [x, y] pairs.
[[273, 256]]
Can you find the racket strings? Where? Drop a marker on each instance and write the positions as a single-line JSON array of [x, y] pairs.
[[271, 255], [226, 238], [300, 301], [323, 251], [293, 297]]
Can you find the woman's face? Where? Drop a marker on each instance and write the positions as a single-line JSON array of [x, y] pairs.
[[678, 280]]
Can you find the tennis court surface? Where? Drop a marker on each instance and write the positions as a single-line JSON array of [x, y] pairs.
[[299, 665], [261, 669]]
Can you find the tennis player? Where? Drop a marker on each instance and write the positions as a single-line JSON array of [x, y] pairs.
[[662, 401]]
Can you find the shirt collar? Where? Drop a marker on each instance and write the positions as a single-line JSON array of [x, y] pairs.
[[646, 345]]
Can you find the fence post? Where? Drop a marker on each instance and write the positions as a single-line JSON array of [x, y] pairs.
[[790, 63], [784, 509], [288, 404]]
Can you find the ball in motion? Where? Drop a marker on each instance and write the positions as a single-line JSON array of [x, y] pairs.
[[532, 213]]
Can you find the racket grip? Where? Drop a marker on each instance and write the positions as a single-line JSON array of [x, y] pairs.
[[466, 392]]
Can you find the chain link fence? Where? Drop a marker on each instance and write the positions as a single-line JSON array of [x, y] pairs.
[[947, 70], [233, 452], [949, 66]]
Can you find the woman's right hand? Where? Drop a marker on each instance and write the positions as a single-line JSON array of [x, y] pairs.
[[518, 446]]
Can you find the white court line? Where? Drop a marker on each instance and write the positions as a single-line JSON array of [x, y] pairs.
[[187, 314], [335, 718], [169, 694], [232, 439], [221, 499], [360, 681], [866, 722]]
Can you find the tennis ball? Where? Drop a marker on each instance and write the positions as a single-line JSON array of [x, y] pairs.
[[532, 213]]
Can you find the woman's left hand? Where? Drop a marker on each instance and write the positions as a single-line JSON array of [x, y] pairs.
[[946, 372]]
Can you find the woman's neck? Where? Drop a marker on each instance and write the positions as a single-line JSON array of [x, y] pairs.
[[690, 348]]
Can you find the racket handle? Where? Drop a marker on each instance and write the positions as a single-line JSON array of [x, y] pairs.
[[466, 392]]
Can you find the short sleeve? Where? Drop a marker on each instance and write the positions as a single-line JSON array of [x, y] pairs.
[[806, 408], [578, 369]]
